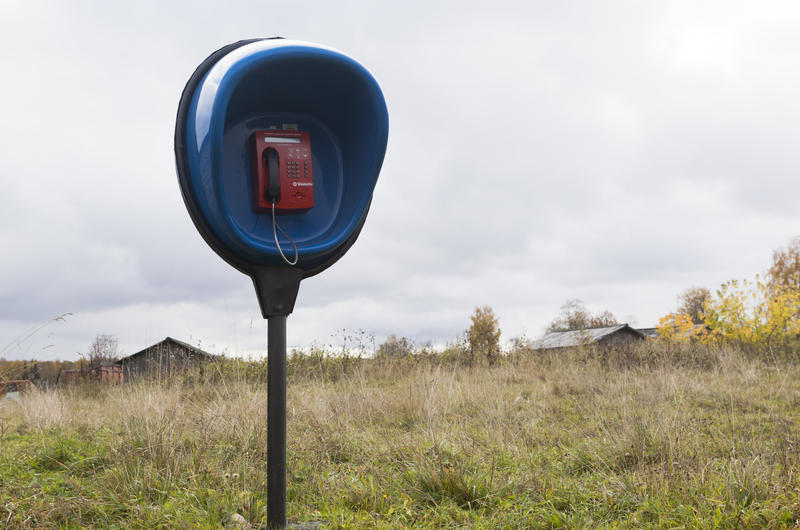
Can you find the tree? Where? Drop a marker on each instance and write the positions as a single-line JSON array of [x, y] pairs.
[[484, 335], [104, 348], [395, 347], [759, 315], [603, 319], [692, 302], [574, 315], [749, 314], [785, 269], [682, 325], [755, 315], [679, 327]]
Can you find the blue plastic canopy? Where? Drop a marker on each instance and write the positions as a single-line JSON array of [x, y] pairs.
[[261, 84]]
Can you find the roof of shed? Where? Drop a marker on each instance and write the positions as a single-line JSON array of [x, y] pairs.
[[579, 337], [189, 347]]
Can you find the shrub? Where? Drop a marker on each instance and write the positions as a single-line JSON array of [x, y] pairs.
[[483, 335]]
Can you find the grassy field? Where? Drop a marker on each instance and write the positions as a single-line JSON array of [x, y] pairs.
[[570, 440]]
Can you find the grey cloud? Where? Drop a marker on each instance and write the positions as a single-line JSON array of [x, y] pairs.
[[612, 152]]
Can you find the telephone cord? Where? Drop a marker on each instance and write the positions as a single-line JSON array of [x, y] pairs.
[[275, 226]]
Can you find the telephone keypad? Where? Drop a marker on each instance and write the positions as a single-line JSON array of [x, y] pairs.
[[293, 169]]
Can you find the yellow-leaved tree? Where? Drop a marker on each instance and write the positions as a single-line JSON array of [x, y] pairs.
[[752, 315], [687, 323], [759, 315], [756, 316], [679, 327]]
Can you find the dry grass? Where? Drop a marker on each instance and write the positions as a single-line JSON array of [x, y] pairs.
[[571, 440]]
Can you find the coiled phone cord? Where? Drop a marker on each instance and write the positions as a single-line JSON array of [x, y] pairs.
[[275, 226]]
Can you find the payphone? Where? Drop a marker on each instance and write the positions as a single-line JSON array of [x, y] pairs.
[[283, 172], [277, 136]]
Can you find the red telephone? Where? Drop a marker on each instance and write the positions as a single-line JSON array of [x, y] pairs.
[[283, 173]]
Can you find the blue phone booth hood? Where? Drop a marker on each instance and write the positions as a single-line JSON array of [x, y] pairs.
[[262, 84]]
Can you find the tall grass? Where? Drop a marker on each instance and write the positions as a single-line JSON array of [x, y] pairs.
[[650, 436]]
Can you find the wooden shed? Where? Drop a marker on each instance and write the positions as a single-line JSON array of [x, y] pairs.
[[14, 388], [110, 372], [166, 358], [612, 336], [650, 333]]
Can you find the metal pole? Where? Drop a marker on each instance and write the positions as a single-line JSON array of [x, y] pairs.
[[276, 422]]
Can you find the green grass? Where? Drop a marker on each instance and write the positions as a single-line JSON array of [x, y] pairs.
[[569, 441]]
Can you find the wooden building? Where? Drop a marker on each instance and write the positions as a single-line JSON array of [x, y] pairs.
[[650, 333], [14, 388], [107, 372], [166, 358], [610, 336]]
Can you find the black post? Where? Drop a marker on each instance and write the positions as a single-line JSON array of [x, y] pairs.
[[276, 421]]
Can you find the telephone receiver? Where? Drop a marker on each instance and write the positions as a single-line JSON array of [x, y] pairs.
[[273, 191]]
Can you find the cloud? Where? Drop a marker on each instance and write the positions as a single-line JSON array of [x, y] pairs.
[[614, 152]]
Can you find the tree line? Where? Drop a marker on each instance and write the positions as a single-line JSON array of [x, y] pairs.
[[760, 315], [104, 348]]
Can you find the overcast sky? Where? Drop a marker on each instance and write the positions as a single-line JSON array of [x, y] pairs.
[[634, 149]]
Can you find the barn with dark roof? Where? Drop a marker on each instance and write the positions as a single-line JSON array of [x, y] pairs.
[[166, 358], [619, 335]]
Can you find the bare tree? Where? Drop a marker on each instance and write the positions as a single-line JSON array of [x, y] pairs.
[[104, 348], [395, 347], [603, 319], [574, 315]]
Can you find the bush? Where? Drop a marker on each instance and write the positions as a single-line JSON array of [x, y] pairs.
[[483, 336], [395, 348]]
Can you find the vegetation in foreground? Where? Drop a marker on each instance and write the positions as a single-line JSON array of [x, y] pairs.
[[650, 437]]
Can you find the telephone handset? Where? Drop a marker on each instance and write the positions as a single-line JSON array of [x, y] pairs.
[[283, 180], [284, 173], [273, 191]]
